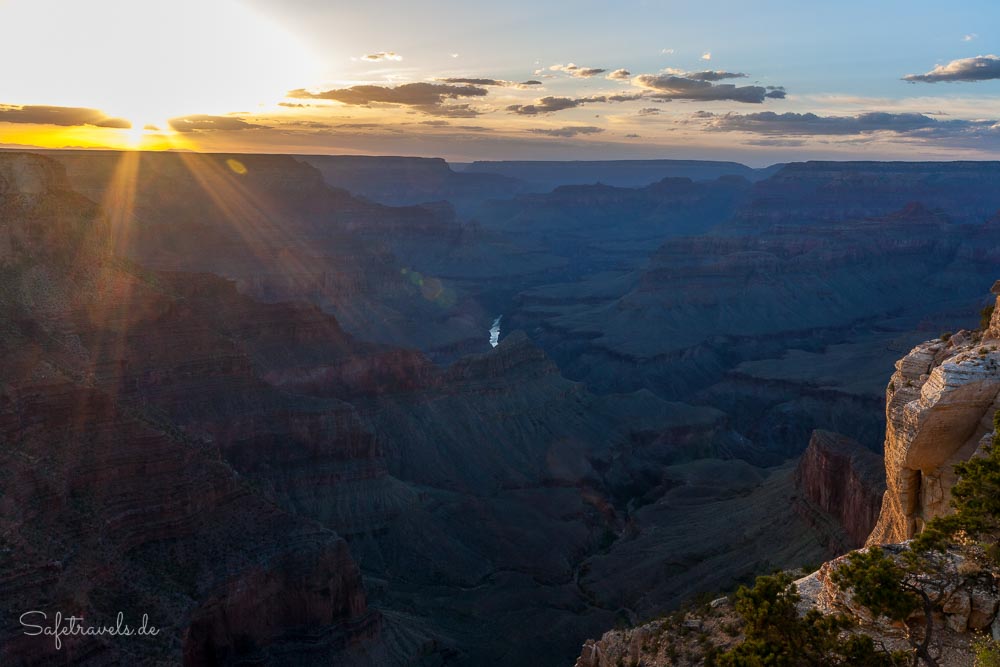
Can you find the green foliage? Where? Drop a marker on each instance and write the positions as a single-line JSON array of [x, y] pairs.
[[987, 652], [898, 588], [877, 583], [776, 636], [976, 499]]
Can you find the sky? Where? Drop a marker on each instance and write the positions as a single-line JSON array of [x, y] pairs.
[[760, 82]]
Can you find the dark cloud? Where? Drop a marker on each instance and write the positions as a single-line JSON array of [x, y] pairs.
[[62, 116], [620, 75], [545, 105], [621, 97], [648, 111], [486, 81], [631, 136], [425, 97], [577, 71], [570, 131], [435, 123], [772, 123], [674, 87], [552, 104], [450, 110], [204, 123], [714, 75], [863, 128], [476, 82], [980, 68]]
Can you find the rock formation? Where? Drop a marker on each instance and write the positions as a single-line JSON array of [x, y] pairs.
[[109, 500], [844, 480], [940, 404]]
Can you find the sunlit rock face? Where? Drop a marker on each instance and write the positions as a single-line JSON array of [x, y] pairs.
[[940, 406]]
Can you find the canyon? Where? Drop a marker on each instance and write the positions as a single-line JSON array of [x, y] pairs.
[[259, 397], [941, 409]]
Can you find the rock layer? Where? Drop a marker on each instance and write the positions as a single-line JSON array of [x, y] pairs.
[[844, 480]]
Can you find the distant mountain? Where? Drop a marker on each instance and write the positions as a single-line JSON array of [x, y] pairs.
[[542, 176], [806, 192], [400, 181]]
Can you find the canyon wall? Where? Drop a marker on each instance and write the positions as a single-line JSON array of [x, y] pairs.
[[845, 481], [940, 405], [115, 494]]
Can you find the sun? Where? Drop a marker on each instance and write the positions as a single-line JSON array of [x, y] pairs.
[[147, 60]]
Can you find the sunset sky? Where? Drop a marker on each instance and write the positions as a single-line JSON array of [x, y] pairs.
[[757, 82]]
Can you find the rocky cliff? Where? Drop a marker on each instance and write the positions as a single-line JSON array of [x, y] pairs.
[[116, 495], [843, 480], [940, 404]]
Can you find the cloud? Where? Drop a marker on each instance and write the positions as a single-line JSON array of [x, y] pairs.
[[553, 104], [453, 55], [476, 81], [707, 55], [545, 105], [450, 110], [62, 116], [426, 97], [203, 122], [980, 68], [782, 143], [672, 87], [308, 124], [620, 75], [621, 97], [667, 52], [577, 71], [971, 36], [569, 131], [913, 125], [631, 136], [714, 75], [382, 56], [648, 111]]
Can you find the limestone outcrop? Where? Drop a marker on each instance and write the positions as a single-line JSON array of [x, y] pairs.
[[939, 411]]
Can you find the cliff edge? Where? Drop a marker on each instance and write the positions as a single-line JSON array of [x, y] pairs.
[[940, 404]]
